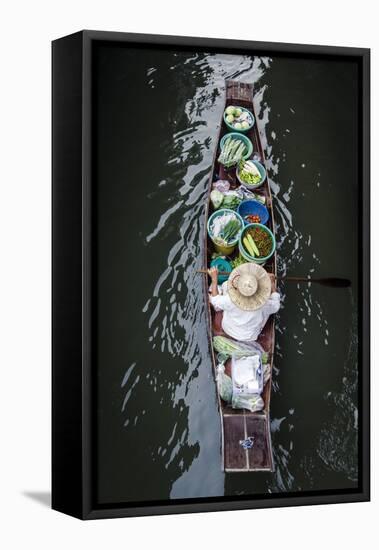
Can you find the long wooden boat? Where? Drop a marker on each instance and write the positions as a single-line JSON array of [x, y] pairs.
[[237, 426]]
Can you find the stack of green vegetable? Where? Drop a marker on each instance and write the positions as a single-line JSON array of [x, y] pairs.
[[230, 230], [238, 260], [224, 384], [216, 198], [225, 228], [227, 347], [229, 199], [232, 152]]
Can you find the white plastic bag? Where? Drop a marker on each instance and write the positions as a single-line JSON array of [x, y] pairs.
[[247, 382], [247, 374], [221, 185]]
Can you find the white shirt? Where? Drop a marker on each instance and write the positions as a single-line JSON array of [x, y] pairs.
[[240, 324]]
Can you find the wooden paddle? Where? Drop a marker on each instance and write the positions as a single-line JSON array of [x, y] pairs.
[[335, 282]]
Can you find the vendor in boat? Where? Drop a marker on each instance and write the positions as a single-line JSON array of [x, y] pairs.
[[247, 299]]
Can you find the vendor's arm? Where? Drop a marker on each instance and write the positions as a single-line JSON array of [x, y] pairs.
[[213, 273], [273, 303], [218, 301]]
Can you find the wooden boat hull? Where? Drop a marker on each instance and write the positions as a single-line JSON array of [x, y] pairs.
[[239, 425]]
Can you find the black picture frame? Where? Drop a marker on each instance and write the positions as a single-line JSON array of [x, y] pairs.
[[73, 452]]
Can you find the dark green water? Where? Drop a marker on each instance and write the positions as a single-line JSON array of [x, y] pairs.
[[158, 428]]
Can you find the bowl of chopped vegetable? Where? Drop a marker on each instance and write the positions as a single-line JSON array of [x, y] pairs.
[[234, 147], [257, 243], [224, 229], [252, 211], [238, 119], [251, 173]]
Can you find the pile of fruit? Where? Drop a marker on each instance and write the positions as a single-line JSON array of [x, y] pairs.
[[238, 118]]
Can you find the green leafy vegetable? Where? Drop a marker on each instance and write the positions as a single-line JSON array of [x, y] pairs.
[[232, 152], [216, 197], [224, 384], [229, 232], [231, 201], [239, 260], [249, 173], [227, 346]]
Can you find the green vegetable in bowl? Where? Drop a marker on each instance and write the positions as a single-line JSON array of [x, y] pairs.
[[229, 110], [229, 232], [232, 152], [225, 228], [249, 173], [229, 119]]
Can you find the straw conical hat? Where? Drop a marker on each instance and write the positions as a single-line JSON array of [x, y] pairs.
[[249, 286]]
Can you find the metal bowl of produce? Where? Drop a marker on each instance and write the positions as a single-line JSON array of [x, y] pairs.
[[238, 119], [251, 174]]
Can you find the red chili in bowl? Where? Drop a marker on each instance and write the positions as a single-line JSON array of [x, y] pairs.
[[253, 218]]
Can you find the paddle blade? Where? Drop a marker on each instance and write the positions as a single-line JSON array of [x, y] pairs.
[[335, 282]]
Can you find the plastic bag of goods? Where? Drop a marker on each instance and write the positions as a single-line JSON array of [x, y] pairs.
[[247, 382], [247, 374], [224, 384], [221, 185], [253, 403], [228, 346]]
